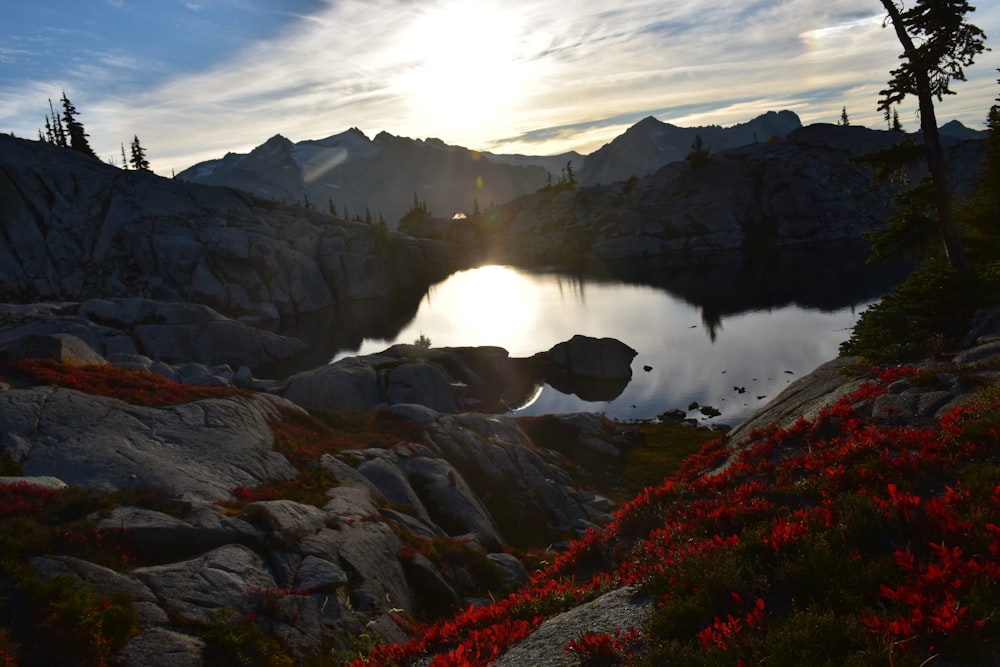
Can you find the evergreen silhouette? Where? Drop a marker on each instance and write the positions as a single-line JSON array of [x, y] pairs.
[[124, 159], [844, 120], [54, 133], [74, 129], [698, 157], [938, 44], [138, 160]]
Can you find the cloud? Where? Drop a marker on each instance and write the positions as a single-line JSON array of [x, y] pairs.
[[523, 75]]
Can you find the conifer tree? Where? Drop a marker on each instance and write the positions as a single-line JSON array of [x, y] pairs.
[[938, 44], [124, 159], [74, 129], [844, 120], [58, 131], [138, 161]]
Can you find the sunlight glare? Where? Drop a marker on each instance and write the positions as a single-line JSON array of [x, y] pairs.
[[466, 70], [495, 305]]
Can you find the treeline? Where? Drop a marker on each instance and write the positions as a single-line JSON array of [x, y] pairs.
[[65, 130]]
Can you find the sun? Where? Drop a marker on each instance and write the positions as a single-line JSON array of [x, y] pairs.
[[466, 66]]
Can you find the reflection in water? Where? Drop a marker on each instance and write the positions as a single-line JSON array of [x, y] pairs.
[[767, 321]]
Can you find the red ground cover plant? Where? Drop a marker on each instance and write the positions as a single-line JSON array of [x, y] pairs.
[[839, 540], [24, 500], [132, 386], [594, 649]]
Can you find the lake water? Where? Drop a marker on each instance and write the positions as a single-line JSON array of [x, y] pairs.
[[704, 333]]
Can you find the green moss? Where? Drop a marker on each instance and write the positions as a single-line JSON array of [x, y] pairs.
[[659, 452]]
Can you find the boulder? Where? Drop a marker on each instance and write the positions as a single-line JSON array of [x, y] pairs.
[[59, 347], [349, 384], [424, 383], [196, 588], [590, 358], [164, 648]]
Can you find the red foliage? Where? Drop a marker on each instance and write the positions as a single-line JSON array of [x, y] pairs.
[[132, 386], [602, 650], [726, 495], [23, 499]]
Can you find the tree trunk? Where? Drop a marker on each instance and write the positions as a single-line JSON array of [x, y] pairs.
[[933, 152]]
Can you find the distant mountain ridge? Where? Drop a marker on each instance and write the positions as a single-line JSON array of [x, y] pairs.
[[369, 178], [651, 144], [373, 179]]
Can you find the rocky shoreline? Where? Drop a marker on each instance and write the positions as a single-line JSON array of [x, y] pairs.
[[341, 569]]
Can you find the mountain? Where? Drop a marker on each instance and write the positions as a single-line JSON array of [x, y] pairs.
[[651, 144], [956, 130], [76, 228], [803, 190], [378, 177], [381, 176]]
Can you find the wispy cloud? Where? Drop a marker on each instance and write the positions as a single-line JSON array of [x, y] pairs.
[[525, 75]]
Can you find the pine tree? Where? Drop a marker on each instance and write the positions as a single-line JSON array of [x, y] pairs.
[[58, 131], [331, 207], [698, 157], [938, 44], [74, 129], [896, 125], [124, 160], [138, 161], [844, 120]]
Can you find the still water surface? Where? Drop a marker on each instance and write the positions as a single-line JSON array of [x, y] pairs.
[[700, 345]]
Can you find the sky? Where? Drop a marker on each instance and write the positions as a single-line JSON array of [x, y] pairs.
[[195, 79]]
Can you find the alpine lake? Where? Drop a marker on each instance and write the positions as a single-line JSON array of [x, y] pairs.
[[730, 333]]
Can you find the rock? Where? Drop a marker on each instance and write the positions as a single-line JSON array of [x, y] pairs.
[[318, 575], [512, 571], [450, 501], [349, 384], [162, 647], [587, 357], [60, 347], [673, 415], [424, 383], [616, 610], [804, 397], [85, 229], [53, 483], [158, 537], [429, 586], [709, 411], [287, 522], [201, 450], [186, 332], [198, 587]]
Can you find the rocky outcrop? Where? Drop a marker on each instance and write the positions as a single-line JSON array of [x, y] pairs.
[[312, 576], [140, 333], [803, 189], [452, 380], [74, 228], [200, 450]]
